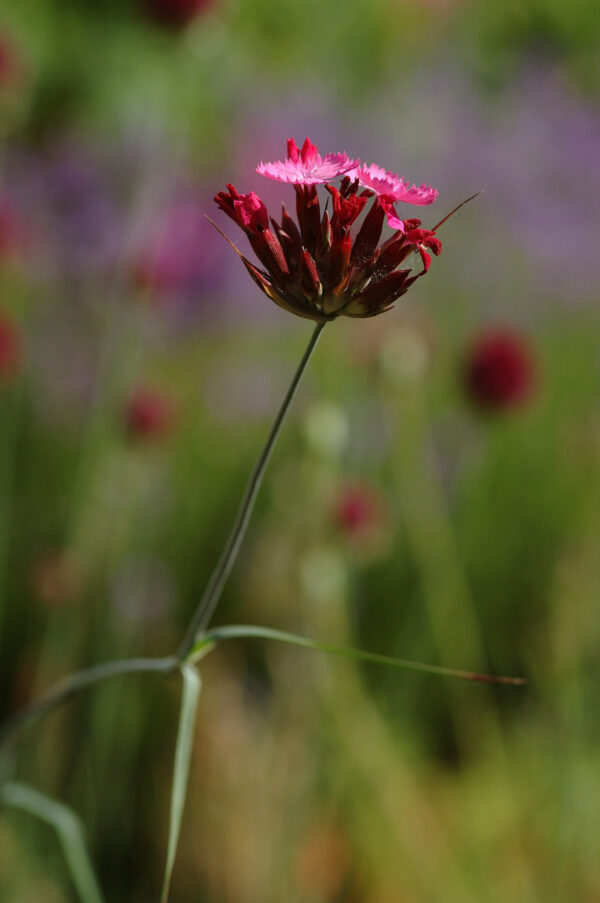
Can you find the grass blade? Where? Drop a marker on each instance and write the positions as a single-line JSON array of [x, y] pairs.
[[69, 831], [183, 752], [236, 631]]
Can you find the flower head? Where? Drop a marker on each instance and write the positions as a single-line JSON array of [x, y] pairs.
[[306, 166], [499, 370], [325, 265]]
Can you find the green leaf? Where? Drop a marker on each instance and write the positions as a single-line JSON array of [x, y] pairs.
[[183, 752], [69, 831], [236, 631]]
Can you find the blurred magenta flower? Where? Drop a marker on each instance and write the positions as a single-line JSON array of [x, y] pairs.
[[317, 269], [356, 509], [168, 267], [68, 198], [499, 369], [148, 414], [11, 346], [175, 13]]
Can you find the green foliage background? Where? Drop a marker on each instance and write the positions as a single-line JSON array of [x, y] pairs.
[[312, 781]]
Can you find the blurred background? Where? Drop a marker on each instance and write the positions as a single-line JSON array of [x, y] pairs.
[[435, 493]]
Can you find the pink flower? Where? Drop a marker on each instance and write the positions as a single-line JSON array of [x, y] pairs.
[[499, 370], [306, 166], [323, 266], [391, 188]]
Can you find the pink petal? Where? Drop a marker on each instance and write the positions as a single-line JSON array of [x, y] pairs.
[[251, 211], [309, 152], [393, 221], [306, 167], [292, 150], [388, 183]]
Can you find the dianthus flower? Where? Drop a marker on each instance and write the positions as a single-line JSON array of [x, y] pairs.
[[326, 265]]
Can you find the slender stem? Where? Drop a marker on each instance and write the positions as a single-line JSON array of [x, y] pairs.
[[235, 631], [72, 684], [212, 593]]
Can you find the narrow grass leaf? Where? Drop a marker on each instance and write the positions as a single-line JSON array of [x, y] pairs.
[[236, 631], [183, 752], [69, 831]]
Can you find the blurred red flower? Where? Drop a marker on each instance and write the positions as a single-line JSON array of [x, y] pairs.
[[357, 509], [148, 414], [361, 517], [56, 579], [10, 348], [499, 369], [10, 64], [175, 13]]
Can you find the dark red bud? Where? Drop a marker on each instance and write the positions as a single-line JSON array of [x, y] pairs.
[[385, 290], [369, 234], [311, 284]]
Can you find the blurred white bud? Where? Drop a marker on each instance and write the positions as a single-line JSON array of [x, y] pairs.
[[326, 429], [323, 575], [404, 354]]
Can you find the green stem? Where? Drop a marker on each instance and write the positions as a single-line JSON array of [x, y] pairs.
[[80, 680], [212, 593], [236, 631]]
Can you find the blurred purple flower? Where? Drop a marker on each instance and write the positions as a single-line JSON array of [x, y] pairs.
[[534, 149], [180, 264], [68, 201]]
